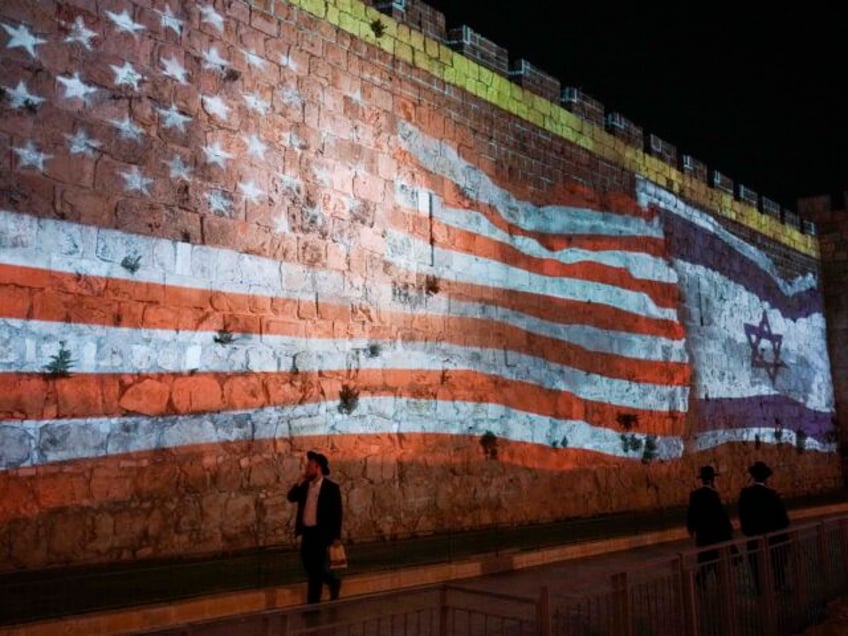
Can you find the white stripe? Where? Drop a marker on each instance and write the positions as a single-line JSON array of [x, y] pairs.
[[640, 265], [711, 439], [80, 249], [403, 250], [717, 309], [61, 440], [439, 157], [97, 349], [649, 193]]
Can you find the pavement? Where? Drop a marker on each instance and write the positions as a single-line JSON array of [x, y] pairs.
[[578, 555]]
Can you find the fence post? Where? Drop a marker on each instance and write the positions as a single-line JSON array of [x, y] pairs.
[[729, 593], [768, 607], [443, 611], [543, 612], [687, 596], [622, 621]]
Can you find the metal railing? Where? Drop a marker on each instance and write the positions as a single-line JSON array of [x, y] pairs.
[[437, 611], [772, 585]]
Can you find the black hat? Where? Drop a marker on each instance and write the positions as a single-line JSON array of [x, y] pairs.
[[321, 459], [759, 471], [707, 473]]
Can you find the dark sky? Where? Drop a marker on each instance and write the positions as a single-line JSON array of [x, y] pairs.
[[753, 95]]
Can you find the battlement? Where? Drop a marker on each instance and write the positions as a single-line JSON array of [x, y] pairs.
[[475, 46]]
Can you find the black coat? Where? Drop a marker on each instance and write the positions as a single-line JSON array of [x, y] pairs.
[[329, 514], [761, 511], [707, 518]]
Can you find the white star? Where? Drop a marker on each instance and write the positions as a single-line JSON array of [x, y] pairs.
[[255, 146], [174, 70], [29, 155], [22, 37], [218, 201], [213, 60], [170, 21], [80, 33], [124, 22], [20, 96], [127, 129], [214, 105], [172, 118], [178, 169], [212, 17], [250, 191], [254, 60], [217, 155], [255, 102], [126, 74], [135, 180], [75, 87], [81, 144]]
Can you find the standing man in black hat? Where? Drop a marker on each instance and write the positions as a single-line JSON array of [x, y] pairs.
[[708, 521], [318, 523], [761, 511]]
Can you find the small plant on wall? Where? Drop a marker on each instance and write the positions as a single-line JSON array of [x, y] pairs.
[[627, 421], [224, 337], [60, 363], [650, 452], [374, 350], [489, 442], [630, 443], [378, 28], [431, 285], [131, 263], [348, 399]]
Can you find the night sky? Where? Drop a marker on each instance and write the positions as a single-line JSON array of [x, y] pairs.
[[751, 95]]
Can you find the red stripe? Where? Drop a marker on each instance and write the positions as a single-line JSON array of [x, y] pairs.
[[38, 396]]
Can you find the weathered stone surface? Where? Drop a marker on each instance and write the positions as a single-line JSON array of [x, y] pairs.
[[147, 397], [16, 446]]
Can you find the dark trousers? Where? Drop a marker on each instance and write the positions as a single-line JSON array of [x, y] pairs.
[[313, 553]]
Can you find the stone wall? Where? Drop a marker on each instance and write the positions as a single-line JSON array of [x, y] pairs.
[[230, 233]]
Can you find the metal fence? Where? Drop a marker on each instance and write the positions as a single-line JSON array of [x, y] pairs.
[[770, 586], [437, 611], [773, 585]]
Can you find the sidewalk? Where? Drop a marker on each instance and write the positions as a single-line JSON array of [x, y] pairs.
[[159, 595]]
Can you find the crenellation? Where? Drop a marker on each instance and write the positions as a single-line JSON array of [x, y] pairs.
[[791, 218], [770, 207], [534, 80], [584, 106], [809, 227], [722, 182], [693, 167], [417, 15], [748, 196], [619, 126], [661, 149], [482, 50]]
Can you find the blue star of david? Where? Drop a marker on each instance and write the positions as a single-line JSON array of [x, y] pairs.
[[756, 334]]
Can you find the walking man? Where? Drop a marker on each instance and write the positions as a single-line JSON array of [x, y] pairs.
[[318, 524]]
